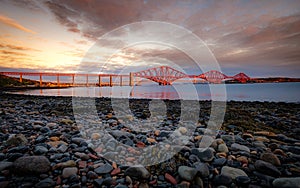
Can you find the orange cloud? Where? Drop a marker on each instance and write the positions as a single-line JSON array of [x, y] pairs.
[[13, 23]]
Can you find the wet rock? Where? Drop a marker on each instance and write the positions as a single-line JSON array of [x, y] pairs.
[[202, 169], [45, 183], [236, 146], [137, 172], [219, 162], [271, 158], [228, 139], [5, 165], [286, 182], [16, 140], [92, 175], [242, 181], [205, 155], [267, 168], [69, 163], [82, 156], [182, 130], [95, 136], [69, 171], [170, 179], [222, 148], [40, 150], [106, 168], [62, 148], [98, 182], [222, 180], [32, 165], [232, 172], [187, 173]]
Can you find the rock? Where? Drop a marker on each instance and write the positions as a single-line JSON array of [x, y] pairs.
[[267, 168], [219, 162], [205, 155], [265, 180], [228, 139], [271, 158], [70, 163], [232, 172], [104, 169], [40, 150], [286, 182], [16, 140], [96, 136], [62, 148], [242, 159], [82, 156], [187, 173], [240, 147], [32, 165], [92, 175], [98, 182], [69, 171], [170, 179], [137, 172], [66, 121], [261, 139], [56, 143], [222, 148], [242, 181], [182, 130], [77, 140], [5, 165], [222, 180], [202, 168], [265, 133], [45, 183]]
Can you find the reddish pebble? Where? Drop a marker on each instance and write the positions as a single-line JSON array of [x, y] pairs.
[[58, 181], [140, 145], [130, 159], [153, 182], [115, 171], [93, 156], [170, 179], [82, 164]]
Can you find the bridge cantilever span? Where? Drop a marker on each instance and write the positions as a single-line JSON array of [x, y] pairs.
[[163, 75]]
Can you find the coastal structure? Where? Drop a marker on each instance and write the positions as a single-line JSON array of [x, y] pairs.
[[163, 75]]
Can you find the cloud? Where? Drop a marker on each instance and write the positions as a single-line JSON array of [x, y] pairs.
[[12, 23], [14, 47]]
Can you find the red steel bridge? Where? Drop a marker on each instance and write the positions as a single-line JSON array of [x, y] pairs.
[[163, 75]]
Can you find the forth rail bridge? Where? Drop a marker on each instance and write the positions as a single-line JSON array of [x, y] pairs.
[[163, 75]]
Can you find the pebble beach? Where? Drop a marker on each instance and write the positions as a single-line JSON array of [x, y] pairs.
[[44, 144]]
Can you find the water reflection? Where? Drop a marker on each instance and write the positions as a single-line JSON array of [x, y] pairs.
[[286, 92]]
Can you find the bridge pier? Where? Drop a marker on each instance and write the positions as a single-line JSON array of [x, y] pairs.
[[110, 81], [41, 80], [100, 82], [73, 79], [57, 79], [87, 80], [131, 79], [21, 78]]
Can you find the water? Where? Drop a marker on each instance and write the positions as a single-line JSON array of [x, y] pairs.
[[275, 92]]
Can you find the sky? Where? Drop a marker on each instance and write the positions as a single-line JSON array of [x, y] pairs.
[[259, 38]]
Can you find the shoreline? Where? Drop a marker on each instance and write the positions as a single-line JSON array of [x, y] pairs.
[[43, 144]]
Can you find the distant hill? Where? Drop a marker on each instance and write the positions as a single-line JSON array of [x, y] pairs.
[[6, 81]]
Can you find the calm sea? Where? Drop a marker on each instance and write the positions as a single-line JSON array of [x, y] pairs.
[[275, 92]]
